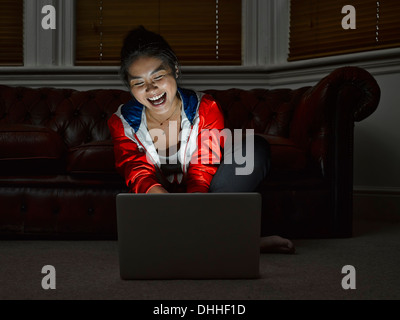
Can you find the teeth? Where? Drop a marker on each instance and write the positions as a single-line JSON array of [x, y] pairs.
[[157, 97]]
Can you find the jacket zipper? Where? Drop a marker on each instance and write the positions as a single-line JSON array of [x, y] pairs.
[[187, 142]]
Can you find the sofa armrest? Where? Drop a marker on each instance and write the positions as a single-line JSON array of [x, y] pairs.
[[323, 121], [323, 125]]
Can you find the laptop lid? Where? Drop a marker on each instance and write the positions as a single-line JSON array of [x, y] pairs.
[[189, 236]]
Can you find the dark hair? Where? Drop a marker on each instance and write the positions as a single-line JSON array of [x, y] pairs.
[[141, 42]]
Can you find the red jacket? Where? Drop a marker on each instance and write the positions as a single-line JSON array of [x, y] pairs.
[[136, 158]]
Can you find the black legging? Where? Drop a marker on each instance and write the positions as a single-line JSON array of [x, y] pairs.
[[226, 178]]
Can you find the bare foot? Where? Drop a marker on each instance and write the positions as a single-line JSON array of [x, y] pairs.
[[276, 244]]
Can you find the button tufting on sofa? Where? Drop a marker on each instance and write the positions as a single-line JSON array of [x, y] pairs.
[[24, 207]]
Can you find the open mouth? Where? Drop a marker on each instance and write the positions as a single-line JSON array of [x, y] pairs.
[[158, 100]]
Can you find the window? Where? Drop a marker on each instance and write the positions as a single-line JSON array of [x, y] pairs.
[[206, 32], [316, 27], [11, 33]]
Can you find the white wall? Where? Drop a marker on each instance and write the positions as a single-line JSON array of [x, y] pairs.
[[377, 140]]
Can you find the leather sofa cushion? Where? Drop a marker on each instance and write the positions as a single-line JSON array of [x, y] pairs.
[[28, 148], [94, 157], [285, 155]]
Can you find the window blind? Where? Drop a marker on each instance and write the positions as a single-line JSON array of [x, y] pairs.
[[316, 27], [206, 32], [11, 33]]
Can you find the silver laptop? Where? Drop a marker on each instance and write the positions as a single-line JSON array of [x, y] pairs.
[[189, 236]]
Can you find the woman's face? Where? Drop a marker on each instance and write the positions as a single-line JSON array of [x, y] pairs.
[[153, 84]]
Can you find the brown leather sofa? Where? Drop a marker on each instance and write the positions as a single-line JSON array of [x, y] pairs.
[[57, 175]]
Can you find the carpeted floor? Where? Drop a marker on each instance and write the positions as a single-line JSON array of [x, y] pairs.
[[89, 270]]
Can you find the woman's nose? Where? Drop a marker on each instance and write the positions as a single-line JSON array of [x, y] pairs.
[[150, 86]]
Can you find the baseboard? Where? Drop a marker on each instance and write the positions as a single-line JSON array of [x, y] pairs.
[[377, 204]]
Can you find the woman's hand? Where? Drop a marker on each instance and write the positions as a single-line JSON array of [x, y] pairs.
[[157, 189]]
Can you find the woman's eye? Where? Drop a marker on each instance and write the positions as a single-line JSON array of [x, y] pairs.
[[159, 77], [138, 84]]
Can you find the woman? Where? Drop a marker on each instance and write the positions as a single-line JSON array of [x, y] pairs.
[[158, 136]]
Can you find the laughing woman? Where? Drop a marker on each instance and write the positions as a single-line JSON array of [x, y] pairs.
[[157, 141]]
